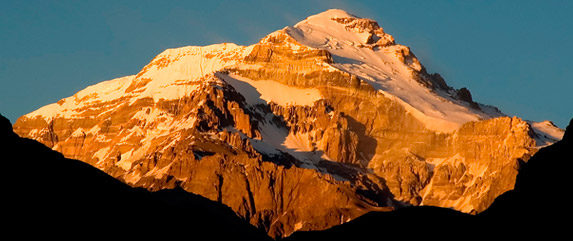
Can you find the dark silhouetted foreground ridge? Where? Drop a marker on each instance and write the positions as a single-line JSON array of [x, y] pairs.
[[46, 194]]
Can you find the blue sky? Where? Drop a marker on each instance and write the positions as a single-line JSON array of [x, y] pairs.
[[516, 55]]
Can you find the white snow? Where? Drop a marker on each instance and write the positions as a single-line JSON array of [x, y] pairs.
[[298, 142], [383, 69], [186, 68], [187, 65], [101, 92], [547, 132], [268, 90], [275, 139], [272, 138]]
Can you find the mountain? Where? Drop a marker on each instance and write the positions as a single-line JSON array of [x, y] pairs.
[[311, 127], [519, 213], [545, 174], [52, 195]]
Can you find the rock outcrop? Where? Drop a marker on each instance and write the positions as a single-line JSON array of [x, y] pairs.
[[546, 174], [301, 131], [208, 150], [518, 214]]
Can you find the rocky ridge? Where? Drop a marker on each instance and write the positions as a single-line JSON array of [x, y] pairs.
[[295, 132]]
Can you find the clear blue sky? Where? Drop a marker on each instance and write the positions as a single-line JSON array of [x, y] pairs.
[[516, 55]]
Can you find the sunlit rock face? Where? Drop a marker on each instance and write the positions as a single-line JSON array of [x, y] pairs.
[[311, 127]]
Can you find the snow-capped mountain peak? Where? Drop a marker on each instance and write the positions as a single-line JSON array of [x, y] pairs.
[[331, 106], [361, 47], [344, 28]]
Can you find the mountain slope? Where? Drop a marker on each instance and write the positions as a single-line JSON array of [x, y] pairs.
[[48, 192], [312, 126], [518, 213], [362, 48]]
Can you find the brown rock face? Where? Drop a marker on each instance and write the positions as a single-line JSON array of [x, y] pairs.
[[488, 155], [201, 118], [208, 150]]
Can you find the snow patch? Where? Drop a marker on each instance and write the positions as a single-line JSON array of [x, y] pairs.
[[547, 132], [298, 142], [269, 90], [276, 140]]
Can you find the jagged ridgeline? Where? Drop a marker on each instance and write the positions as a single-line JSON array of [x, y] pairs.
[[313, 126]]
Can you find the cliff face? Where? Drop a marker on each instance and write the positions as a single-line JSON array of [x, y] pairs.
[[486, 160], [206, 143], [290, 134], [519, 213]]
